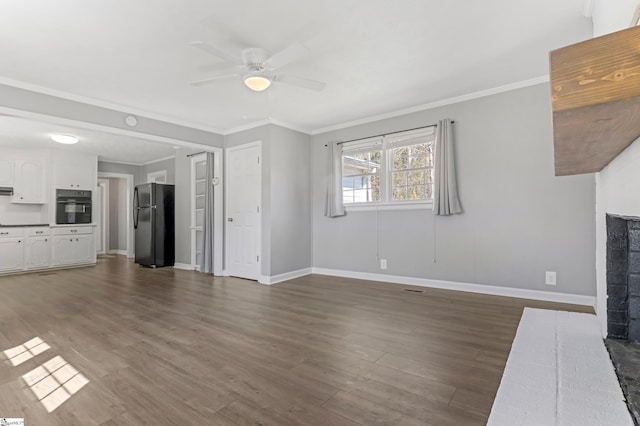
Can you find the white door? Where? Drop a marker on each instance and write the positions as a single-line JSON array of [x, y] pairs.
[[243, 230]]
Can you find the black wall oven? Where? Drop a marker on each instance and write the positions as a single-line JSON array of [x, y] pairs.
[[73, 206]]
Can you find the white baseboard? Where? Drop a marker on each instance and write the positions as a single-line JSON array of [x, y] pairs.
[[574, 299], [265, 279], [184, 266], [120, 252]]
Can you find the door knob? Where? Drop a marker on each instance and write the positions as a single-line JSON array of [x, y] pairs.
[[230, 219]]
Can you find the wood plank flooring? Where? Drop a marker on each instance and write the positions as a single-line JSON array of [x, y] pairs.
[[166, 347]]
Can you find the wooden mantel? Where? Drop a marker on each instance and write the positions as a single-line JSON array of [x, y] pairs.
[[595, 96]]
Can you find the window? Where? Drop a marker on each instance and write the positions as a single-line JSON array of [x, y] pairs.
[[394, 169]]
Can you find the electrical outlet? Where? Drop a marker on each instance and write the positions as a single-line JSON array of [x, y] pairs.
[[550, 278], [383, 263]]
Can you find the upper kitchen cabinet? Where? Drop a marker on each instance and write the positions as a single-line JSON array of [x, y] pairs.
[[595, 97], [74, 171], [6, 172], [29, 184]]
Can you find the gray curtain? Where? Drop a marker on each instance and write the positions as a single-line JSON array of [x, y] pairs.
[[206, 262], [445, 191], [334, 206]]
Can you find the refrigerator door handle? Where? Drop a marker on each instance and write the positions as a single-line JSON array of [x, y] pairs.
[[136, 208]]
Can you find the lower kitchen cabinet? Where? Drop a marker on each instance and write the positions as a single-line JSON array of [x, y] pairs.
[[37, 248], [73, 249], [11, 254], [37, 252]]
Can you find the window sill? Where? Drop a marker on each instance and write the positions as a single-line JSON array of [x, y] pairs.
[[354, 208]]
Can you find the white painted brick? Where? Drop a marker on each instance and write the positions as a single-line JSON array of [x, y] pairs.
[[559, 373]]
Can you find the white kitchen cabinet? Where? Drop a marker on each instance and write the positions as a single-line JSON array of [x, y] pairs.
[[75, 171], [6, 172], [73, 249], [37, 252], [11, 254], [29, 186]]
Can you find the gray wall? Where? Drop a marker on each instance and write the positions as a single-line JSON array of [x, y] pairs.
[[519, 220], [286, 199], [26, 100], [128, 169], [169, 165], [290, 213], [117, 213]]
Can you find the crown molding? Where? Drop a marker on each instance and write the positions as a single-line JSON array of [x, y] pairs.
[[131, 110], [124, 109], [127, 163], [290, 126], [265, 122], [436, 104], [170, 157], [247, 126], [98, 127]]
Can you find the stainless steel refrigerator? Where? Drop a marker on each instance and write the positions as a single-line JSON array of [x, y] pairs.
[[154, 224]]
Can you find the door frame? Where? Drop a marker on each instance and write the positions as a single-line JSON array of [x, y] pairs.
[[105, 216], [227, 234], [218, 212], [129, 179]]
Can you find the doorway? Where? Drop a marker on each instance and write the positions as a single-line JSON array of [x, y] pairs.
[[102, 217], [244, 211], [117, 219]]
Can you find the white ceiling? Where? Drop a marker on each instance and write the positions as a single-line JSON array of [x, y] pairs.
[[376, 56], [23, 133]]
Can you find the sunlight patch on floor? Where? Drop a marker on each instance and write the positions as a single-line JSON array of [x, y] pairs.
[[54, 382], [26, 351]]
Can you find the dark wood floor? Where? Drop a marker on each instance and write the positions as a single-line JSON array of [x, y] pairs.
[[168, 347]]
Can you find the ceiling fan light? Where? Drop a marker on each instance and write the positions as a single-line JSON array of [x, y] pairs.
[[65, 139], [257, 83]]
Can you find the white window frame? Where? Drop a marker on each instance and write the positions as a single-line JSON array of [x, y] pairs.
[[387, 143]]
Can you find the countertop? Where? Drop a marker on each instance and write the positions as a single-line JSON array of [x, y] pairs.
[[24, 226]]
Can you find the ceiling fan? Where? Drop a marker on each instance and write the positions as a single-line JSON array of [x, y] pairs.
[[257, 69]]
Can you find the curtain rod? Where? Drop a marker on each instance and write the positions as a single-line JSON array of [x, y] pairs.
[[387, 134]]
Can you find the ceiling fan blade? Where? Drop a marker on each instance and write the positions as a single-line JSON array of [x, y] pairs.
[[305, 83], [292, 53], [217, 52], [212, 79]]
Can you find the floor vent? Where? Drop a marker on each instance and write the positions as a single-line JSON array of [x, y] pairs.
[[412, 290]]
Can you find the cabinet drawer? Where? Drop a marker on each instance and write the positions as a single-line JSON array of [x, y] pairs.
[[11, 232], [38, 232], [76, 230]]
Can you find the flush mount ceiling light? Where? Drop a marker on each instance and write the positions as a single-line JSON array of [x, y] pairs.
[[257, 82], [65, 139]]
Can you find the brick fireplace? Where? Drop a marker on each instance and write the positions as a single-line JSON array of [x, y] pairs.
[[623, 278], [623, 305]]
